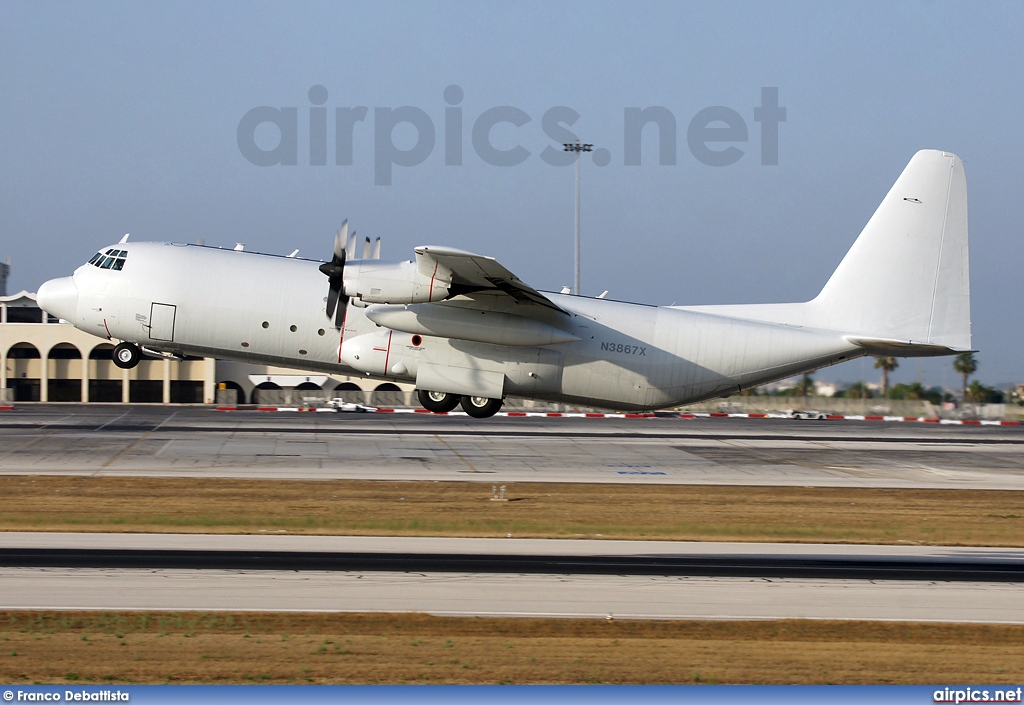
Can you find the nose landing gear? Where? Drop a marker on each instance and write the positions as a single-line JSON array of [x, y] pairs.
[[126, 355]]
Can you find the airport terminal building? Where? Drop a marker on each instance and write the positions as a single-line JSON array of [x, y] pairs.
[[42, 359]]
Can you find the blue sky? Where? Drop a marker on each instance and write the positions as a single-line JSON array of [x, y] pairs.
[[123, 117]]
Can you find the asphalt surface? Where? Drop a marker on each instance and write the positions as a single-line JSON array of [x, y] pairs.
[[632, 580], [146, 440], [662, 558], [510, 594]]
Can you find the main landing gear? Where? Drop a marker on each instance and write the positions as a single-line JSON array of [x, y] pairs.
[[438, 402], [126, 355], [442, 402], [480, 407]]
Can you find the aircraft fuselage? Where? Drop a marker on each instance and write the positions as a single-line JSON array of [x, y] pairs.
[[237, 305]]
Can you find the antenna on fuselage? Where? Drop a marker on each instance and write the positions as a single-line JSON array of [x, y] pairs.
[[123, 240], [239, 246], [293, 254]]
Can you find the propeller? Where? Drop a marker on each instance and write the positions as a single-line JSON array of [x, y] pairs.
[[350, 245], [335, 271]]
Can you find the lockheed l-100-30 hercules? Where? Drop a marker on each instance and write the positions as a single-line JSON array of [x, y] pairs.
[[464, 329]]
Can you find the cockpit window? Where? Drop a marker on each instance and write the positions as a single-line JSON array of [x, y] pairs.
[[110, 259]]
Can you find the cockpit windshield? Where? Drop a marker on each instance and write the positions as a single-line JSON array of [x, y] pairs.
[[111, 259]]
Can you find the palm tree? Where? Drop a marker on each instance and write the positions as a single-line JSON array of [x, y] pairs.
[[966, 365], [805, 387], [858, 390], [887, 365]]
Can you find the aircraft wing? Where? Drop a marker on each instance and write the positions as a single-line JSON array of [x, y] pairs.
[[482, 279]]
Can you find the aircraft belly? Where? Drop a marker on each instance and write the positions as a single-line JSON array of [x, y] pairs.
[[604, 381], [706, 356], [533, 371]]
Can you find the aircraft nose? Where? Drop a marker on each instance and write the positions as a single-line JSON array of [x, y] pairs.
[[59, 297]]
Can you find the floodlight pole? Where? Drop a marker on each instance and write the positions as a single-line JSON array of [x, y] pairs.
[[577, 148]]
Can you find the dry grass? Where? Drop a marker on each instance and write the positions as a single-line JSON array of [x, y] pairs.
[[60, 647], [355, 507]]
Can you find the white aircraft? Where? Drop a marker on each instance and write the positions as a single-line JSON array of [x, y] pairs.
[[465, 330]]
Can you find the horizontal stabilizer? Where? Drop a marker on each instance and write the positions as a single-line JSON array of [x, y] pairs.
[[902, 348]]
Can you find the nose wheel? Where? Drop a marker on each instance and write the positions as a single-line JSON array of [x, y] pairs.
[[126, 355], [480, 407]]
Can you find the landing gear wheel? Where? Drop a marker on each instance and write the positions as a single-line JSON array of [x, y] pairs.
[[126, 355], [438, 402], [480, 407]]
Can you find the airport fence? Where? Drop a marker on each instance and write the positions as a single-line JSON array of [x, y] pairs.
[[311, 398], [855, 407], [732, 405]]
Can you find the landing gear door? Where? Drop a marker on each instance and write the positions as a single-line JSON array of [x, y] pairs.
[[161, 322]]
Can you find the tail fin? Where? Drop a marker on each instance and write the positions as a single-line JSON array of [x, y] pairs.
[[904, 286]]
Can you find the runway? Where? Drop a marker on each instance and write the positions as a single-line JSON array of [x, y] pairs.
[[158, 441], [567, 593], [638, 580]]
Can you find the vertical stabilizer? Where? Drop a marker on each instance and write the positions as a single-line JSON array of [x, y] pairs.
[[906, 277]]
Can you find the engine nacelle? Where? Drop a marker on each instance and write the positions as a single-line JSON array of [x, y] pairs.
[[418, 282]]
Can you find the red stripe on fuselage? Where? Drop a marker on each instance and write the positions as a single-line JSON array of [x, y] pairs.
[[341, 340], [387, 355]]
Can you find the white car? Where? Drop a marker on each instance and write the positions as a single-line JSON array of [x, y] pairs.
[[794, 414], [339, 404]]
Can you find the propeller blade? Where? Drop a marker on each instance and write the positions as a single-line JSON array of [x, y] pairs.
[[339, 315], [335, 273], [376, 249], [366, 249], [340, 240], [332, 301], [350, 246]]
